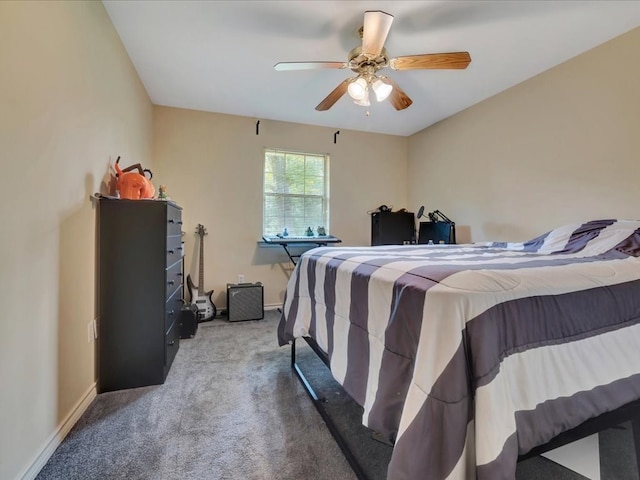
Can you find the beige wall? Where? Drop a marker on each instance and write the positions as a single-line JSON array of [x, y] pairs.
[[70, 101], [211, 165], [560, 148]]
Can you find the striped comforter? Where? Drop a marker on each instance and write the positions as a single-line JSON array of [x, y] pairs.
[[469, 355]]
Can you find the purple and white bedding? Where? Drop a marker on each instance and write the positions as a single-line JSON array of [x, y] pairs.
[[467, 356]]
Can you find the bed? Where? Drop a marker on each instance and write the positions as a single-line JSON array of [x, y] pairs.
[[467, 357]]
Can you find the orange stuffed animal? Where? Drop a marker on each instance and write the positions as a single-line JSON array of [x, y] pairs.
[[133, 185]]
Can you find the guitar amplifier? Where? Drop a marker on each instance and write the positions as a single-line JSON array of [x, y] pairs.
[[245, 301], [188, 321]]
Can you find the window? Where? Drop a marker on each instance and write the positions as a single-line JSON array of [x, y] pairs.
[[296, 192]]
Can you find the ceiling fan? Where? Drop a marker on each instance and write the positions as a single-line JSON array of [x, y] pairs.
[[366, 60]]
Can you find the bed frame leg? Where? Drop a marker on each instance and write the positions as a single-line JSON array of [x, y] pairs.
[[318, 403], [635, 424]]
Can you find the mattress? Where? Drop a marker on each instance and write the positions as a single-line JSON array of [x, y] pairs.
[[466, 356]]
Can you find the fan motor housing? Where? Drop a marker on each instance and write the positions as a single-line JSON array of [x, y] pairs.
[[358, 61]]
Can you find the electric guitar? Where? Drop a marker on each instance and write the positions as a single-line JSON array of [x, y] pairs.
[[202, 300]]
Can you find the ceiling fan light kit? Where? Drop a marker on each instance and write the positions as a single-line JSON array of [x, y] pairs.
[[371, 56], [358, 88], [381, 89], [364, 101]]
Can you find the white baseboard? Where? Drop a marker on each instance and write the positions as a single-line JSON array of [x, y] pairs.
[[274, 306], [59, 435]]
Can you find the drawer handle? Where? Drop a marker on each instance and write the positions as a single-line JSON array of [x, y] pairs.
[[172, 343], [170, 282], [180, 274], [171, 251], [171, 312]]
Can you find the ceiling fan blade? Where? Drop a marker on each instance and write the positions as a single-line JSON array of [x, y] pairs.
[[334, 96], [286, 66], [453, 60], [397, 97], [374, 31]]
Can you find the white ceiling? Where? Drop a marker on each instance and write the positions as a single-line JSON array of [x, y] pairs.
[[218, 56]]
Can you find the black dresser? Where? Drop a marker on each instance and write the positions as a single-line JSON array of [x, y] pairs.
[[139, 291]]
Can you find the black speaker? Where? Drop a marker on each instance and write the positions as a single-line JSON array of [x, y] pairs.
[[188, 321], [245, 301], [392, 228], [437, 232]]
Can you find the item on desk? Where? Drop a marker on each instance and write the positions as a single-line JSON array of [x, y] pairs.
[[285, 232], [309, 232], [321, 231]]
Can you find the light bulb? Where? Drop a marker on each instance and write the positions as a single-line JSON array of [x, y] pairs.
[[364, 101], [358, 89], [381, 89]]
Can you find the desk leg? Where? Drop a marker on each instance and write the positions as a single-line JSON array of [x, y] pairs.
[[284, 245], [293, 257]]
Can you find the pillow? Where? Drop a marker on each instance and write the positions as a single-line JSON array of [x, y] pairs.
[[591, 238]]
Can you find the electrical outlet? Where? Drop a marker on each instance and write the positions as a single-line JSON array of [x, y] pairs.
[[90, 331], [240, 278]]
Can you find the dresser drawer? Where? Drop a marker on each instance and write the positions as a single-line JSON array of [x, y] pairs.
[[173, 309], [174, 220], [173, 278], [174, 250], [172, 343]]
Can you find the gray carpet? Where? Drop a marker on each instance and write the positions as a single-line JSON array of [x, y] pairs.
[[232, 408]]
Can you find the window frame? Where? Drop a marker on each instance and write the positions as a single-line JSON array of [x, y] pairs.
[[324, 196]]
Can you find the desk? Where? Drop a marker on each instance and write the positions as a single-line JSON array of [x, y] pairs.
[[315, 241]]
